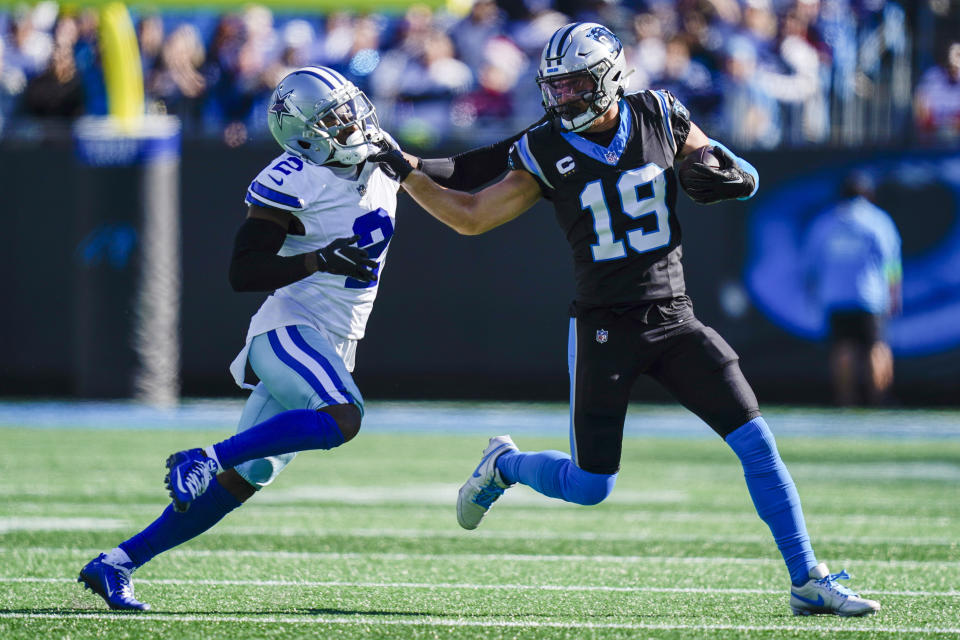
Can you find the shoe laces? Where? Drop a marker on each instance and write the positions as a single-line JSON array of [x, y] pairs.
[[487, 494], [830, 582], [197, 479], [124, 585]]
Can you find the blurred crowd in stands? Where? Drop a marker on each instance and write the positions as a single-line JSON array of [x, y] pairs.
[[757, 73]]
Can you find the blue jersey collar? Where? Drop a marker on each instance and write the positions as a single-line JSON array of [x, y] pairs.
[[607, 155]]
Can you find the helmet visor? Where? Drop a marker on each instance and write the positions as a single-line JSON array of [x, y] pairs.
[[356, 113], [570, 94]]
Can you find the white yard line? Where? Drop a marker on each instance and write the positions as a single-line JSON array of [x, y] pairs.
[[52, 523], [463, 585], [586, 536], [17, 523], [16, 508], [483, 557], [459, 622]]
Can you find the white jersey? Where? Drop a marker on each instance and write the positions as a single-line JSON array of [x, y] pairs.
[[330, 206]]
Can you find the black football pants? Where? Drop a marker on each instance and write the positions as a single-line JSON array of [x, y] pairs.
[[665, 341]]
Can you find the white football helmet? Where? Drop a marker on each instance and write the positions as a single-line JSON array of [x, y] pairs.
[[582, 73], [319, 115]]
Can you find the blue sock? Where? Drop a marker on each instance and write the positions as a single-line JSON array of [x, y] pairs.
[[774, 495], [287, 432], [553, 474], [173, 528]]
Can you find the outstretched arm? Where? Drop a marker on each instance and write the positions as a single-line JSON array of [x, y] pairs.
[[473, 213], [474, 168]]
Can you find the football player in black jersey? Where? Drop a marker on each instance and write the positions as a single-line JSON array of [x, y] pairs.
[[605, 159]]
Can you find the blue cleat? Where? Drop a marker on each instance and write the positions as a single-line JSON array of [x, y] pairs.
[[189, 475], [112, 583], [484, 486]]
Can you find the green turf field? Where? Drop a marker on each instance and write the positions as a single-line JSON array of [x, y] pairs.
[[363, 542]]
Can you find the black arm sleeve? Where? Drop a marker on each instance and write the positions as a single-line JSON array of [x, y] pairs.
[[255, 265], [472, 169]]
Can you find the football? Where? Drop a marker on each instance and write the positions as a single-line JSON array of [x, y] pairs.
[[703, 155]]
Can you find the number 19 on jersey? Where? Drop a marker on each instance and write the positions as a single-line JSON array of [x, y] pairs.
[[642, 193]]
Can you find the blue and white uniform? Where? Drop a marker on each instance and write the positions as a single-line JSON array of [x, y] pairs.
[[302, 341]]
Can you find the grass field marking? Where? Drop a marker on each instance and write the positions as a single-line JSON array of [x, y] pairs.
[[826, 624], [52, 523], [15, 523], [470, 586], [16, 507], [582, 536], [513, 557]]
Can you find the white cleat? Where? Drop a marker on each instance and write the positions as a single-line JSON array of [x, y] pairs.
[[823, 594], [484, 485]]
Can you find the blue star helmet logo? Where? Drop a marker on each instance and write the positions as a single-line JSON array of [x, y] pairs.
[[606, 37], [279, 107]]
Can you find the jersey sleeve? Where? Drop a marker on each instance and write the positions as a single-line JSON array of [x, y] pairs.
[[674, 116], [281, 185], [521, 158]]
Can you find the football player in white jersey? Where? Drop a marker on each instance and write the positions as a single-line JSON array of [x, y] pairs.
[[319, 221]]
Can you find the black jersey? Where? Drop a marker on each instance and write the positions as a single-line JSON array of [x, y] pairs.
[[616, 203]]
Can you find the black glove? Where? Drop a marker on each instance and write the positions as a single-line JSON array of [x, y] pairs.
[[708, 185], [393, 164], [342, 259]]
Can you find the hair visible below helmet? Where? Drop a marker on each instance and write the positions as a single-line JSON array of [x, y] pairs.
[[319, 115], [584, 60]]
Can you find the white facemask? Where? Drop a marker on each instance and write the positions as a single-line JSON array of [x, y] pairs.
[[354, 151]]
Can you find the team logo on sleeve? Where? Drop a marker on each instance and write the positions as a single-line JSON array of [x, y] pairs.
[[602, 335], [511, 163], [681, 110]]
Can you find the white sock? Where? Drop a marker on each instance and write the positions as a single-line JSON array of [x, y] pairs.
[[117, 556]]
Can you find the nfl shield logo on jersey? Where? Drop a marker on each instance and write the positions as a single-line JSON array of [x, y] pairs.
[[611, 157], [602, 335]]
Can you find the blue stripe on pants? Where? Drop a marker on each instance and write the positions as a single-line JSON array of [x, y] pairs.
[[300, 368], [298, 340]]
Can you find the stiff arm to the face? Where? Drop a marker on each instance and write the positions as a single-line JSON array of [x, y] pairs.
[[476, 213]]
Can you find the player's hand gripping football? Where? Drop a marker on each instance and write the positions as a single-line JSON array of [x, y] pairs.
[[341, 258], [707, 184]]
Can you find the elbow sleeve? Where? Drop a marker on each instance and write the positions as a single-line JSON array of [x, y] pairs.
[[472, 169]]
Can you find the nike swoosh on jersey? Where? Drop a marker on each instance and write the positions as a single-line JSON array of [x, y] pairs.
[[817, 603]]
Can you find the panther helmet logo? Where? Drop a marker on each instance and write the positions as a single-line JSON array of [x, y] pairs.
[[606, 37]]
